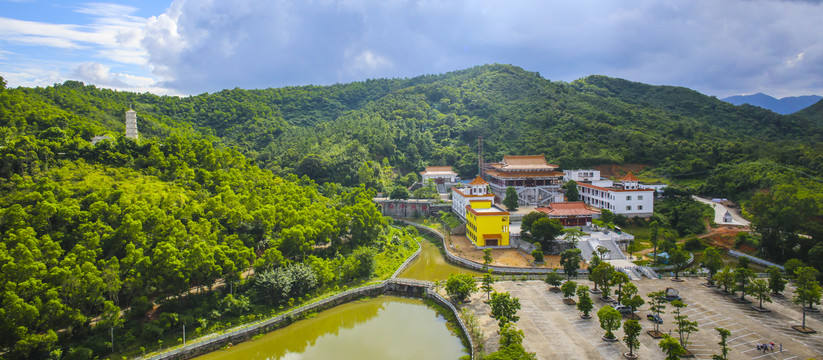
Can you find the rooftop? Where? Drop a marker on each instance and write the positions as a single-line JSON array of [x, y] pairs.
[[568, 209], [438, 170], [524, 162], [478, 181], [630, 177]]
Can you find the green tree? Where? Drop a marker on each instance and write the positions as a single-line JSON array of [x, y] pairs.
[[554, 279], [724, 346], [584, 301], [657, 302], [632, 330], [631, 298], [545, 230], [573, 235], [807, 289], [504, 308], [486, 285], [460, 286], [619, 278], [725, 278], [679, 259], [684, 327], [712, 262], [602, 275], [777, 283], [671, 347], [487, 258], [609, 320], [511, 345], [570, 260], [537, 253], [743, 276], [399, 193], [572, 194], [654, 237], [759, 288], [568, 288], [511, 199]]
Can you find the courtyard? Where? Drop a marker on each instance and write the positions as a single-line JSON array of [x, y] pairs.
[[555, 330]]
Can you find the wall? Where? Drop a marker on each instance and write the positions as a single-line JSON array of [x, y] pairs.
[[472, 265]]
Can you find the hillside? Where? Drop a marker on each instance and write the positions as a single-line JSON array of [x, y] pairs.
[[784, 106]]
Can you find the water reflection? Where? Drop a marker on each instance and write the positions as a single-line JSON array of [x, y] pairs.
[[432, 266], [381, 328]]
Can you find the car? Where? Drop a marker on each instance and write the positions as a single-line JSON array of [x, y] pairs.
[[654, 318], [623, 309]]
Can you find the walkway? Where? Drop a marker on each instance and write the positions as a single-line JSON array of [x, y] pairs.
[[720, 210]]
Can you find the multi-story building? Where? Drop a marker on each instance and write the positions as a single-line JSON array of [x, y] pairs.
[[487, 224], [536, 182], [624, 197], [581, 175], [477, 189], [443, 177]]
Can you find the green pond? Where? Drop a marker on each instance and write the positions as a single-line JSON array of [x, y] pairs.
[[431, 265], [385, 327]]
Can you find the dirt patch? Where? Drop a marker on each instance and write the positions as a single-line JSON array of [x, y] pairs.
[[618, 171], [463, 247], [725, 236]]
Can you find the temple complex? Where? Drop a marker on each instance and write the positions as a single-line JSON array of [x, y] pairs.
[[537, 183]]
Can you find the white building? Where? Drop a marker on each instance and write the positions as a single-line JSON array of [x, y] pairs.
[[131, 124], [581, 175], [625, 198], [439, 174], [463, 195]]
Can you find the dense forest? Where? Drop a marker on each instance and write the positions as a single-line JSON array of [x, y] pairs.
[[274, 178]]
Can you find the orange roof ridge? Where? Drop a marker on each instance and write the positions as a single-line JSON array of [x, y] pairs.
[[478, 181], [630, 177]]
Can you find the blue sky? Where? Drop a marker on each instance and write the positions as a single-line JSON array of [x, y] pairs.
[[185, 47]]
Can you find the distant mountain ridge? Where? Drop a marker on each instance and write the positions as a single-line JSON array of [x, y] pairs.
[[784, 106]]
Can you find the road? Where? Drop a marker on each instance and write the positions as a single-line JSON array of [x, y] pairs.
[[720, 210]]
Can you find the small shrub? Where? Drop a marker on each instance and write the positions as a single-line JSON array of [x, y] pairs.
[[694, 244]]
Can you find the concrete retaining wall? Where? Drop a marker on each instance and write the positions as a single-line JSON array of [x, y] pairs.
[[402, 287], [473, 265]]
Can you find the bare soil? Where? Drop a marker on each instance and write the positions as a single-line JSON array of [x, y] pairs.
[[463, 247]]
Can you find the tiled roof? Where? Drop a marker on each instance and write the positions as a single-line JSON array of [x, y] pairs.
[[478, 181], [568, 209], [438, 170], [523, 174], [524, 162], [630, 177]]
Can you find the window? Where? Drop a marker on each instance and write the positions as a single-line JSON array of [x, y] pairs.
[[639, 197], [628, 197], [639, 207], [628, 207]]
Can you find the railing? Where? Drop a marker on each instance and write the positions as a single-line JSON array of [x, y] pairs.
[[408, 261], [755, 260], [245, 332], [213, 342], [473, 265]]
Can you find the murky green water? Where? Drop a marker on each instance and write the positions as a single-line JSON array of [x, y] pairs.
[[432, 266], [385, 327]]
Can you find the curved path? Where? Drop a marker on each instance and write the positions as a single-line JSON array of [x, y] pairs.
[[720, 210]]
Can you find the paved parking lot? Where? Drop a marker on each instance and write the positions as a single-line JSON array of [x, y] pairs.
[[555, 330]]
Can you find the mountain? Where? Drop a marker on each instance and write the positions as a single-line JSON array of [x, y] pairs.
[[784, 106]]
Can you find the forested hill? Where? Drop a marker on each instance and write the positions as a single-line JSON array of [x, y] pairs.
[[209, 189], [333, 132]]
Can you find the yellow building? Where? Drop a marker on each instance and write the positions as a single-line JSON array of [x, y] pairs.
[[487, 224]]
